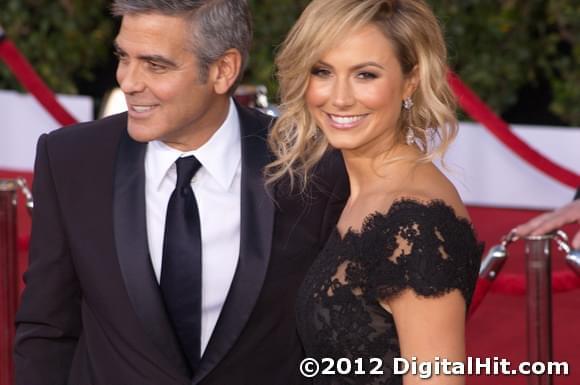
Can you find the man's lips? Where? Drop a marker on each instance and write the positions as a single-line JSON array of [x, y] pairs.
[[141, 110], [142, 107]]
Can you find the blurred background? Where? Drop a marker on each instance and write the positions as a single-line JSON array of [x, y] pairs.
[[521, 57]]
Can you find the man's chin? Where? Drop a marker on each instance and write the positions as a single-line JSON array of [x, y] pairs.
[[140, 133]]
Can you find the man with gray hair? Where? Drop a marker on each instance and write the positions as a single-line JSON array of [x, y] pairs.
[[157, 254]]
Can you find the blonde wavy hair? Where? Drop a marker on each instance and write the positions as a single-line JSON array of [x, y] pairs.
[[414, 31]]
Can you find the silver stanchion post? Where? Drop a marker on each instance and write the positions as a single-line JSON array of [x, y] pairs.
[[572, 256], [539, 290], [8, 276], [539, 304], [496, 258]]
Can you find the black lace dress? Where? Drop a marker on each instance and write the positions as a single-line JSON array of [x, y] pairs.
[[420, 246]]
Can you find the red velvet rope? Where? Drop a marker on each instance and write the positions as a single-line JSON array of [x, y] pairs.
[[23, 243], [473, 105], [515, 284], [481, 290], [32, 82]]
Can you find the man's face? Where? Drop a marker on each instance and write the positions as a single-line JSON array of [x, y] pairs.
[[159, 75]]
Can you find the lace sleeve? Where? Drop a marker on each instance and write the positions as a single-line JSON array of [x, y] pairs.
[[420, 246]]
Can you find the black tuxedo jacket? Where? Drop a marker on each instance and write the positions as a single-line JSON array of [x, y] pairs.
[[92, 312]]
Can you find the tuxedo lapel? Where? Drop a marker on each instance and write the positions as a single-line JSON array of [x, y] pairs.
[[256, 227], [132, 248]]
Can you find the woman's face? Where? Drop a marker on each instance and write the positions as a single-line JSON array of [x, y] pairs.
[[356, 91]]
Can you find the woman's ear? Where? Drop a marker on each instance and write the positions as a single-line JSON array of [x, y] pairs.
[[225, 71], [411, 82]]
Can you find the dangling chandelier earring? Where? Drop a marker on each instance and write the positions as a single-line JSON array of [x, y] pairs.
[[410, 137], [407, 105]]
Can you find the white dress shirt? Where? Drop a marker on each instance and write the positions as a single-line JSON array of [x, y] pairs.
[[217, 190]]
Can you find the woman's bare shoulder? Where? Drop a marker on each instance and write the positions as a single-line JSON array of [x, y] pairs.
[[427, 184]]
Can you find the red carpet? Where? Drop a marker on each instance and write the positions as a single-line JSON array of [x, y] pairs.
[[498, 327]]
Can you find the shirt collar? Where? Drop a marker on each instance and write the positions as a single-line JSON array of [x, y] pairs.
[[220, 156]]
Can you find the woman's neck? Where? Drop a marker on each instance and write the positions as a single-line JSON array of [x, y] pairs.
[[367, 173]]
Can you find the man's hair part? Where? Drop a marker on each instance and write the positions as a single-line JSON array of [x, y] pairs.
[[216, 26]]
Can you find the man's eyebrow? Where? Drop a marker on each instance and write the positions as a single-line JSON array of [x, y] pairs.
[[158, 59], [150, 58], [117, 49]]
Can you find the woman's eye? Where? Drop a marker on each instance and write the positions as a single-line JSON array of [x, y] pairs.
[[366, 75], [320, 72]]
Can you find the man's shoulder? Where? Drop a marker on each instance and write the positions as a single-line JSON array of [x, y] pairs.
[[89, 141], [326, 180], [330, 169], [90, 133], [254, 121]]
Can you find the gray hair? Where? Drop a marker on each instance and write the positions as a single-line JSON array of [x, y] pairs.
[[217, 25]]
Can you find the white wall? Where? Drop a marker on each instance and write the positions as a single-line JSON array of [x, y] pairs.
[[23, 119], [487, 173]]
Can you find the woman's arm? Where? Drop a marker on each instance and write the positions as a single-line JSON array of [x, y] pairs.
[[430, 327]]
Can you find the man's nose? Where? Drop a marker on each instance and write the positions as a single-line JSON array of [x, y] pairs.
[[130, 78]]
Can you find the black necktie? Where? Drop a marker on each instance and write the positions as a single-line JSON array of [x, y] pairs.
[[181, 265]]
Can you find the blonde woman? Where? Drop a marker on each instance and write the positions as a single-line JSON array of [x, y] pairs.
[[368, 77]]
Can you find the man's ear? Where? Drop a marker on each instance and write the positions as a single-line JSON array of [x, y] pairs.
[[225, 71]]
